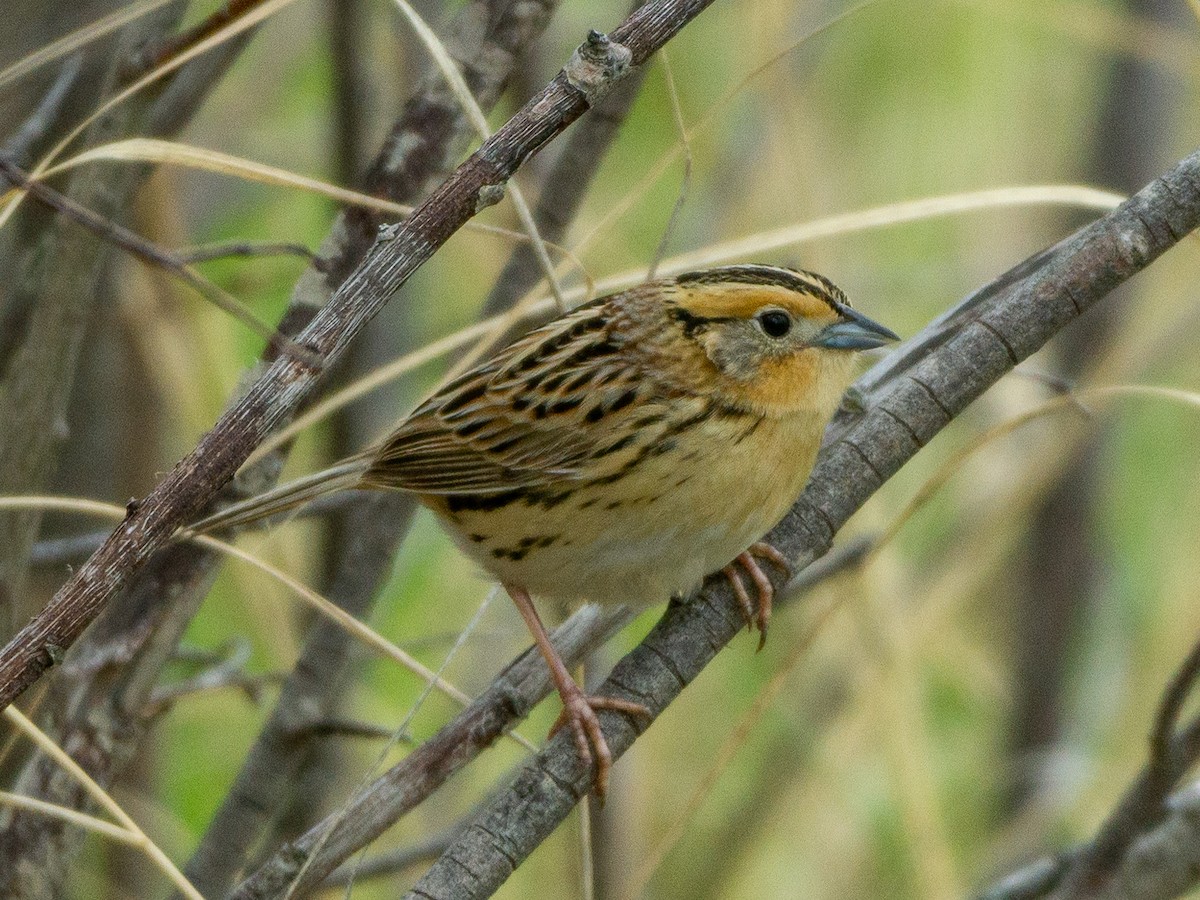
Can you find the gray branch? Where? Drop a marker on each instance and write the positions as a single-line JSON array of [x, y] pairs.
[[509, 698], [1158, 864], [897, 408], [61, 286]]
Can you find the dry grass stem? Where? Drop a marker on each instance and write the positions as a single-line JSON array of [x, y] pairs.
[[104, 799], [78, 38]]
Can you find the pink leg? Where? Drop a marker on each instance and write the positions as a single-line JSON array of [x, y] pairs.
[[739, 590], [579, 710]]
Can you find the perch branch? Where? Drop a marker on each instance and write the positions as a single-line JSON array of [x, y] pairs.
[[511, 695], [897, 408]]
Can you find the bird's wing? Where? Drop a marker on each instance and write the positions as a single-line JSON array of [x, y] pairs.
[[529, 417]]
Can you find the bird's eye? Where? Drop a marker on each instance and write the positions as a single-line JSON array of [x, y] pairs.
[[775, 323]]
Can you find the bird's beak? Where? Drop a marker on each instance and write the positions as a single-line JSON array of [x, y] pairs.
[[854, 332]]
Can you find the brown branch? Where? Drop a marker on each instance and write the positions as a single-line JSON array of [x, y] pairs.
[[162, 52], [422, 147], [508, 699], [397, 253], [117, 664], [898, 407]]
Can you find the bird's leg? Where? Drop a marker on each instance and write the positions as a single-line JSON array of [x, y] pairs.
[[762, 584], [579, 710]]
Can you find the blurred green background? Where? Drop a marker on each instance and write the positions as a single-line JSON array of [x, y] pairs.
[[962, 709]]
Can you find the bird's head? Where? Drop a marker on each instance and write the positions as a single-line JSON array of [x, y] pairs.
[[774, 339]]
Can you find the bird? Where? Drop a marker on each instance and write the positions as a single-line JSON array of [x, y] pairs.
[[623, 451]]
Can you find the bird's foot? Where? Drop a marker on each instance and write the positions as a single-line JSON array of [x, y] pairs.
[[748, 561], [579, 712]]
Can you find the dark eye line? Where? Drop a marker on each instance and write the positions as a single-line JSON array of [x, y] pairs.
[[693, 323]]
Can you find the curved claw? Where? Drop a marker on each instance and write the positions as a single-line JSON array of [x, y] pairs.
[[772, 555], [762, 584]]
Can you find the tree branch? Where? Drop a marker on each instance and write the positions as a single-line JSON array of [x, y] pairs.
[[515, 691], [397, 253], [68, 283], [509, 698], [898, 407], [1148, 847], [421, 147]]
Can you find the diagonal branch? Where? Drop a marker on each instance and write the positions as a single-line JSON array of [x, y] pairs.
[[420, 149], [1146, 848], [299, 867], [899, 406], [509, 698], [397, 253]]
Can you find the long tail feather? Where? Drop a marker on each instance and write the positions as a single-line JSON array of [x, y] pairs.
[[286, 497]]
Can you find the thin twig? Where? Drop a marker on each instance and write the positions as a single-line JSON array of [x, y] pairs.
[[209, 252], [253, 686], [334, 727], [39, 123], [53, 552], [392, 862], [1162, 747], [162, 52], [151, 254]]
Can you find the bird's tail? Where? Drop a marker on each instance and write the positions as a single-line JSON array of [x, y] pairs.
[[294, 494]]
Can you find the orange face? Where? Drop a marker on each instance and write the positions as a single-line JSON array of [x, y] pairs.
[[770, 340]]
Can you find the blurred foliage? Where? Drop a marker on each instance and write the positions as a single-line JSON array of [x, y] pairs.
[[880, 769]]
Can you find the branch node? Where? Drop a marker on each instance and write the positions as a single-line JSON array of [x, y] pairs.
[[388, 232], [596, 65], [489, 195], [54, 654]]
